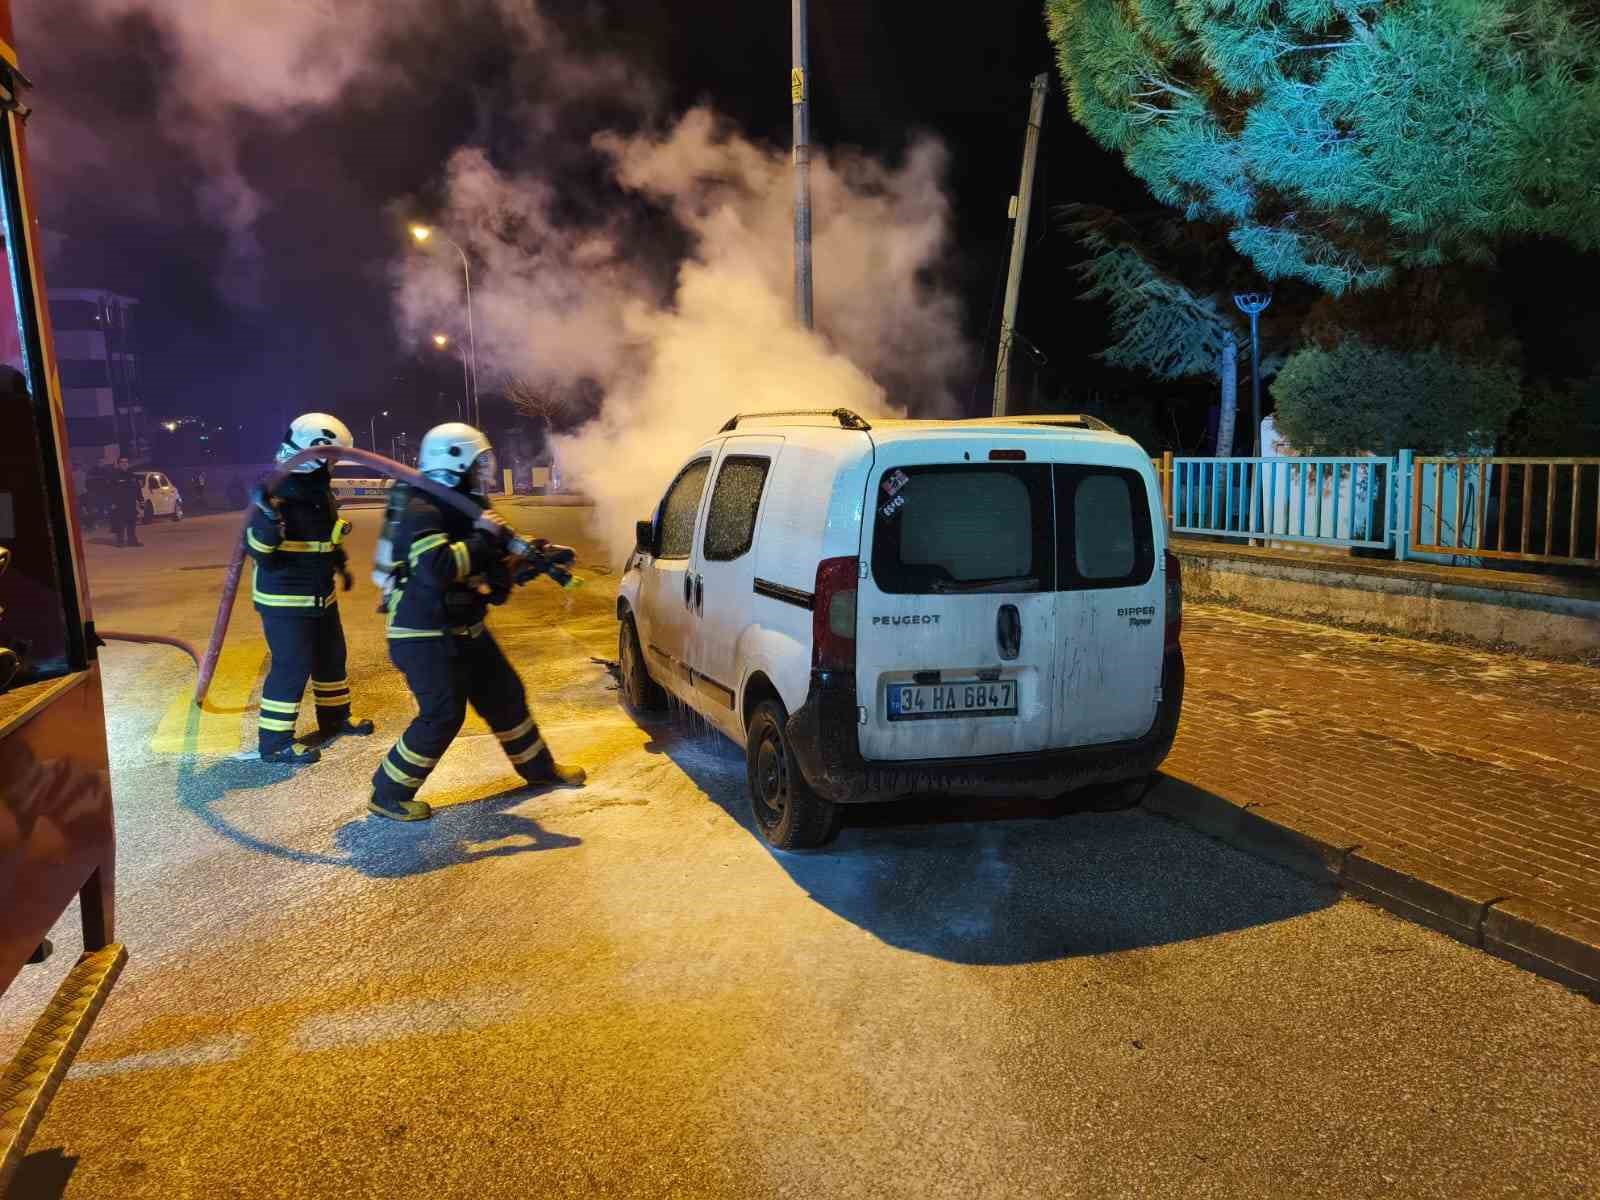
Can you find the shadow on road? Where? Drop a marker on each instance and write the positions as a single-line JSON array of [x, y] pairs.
[[988, 882], [43, 1175], [459, 833]]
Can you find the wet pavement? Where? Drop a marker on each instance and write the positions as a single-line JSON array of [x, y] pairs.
[[620, 991]]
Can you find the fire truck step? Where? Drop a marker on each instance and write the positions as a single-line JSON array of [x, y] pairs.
[[30, 1081]]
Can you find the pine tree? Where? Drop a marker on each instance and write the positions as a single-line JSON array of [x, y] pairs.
[[1161, 325], [1341, 140]]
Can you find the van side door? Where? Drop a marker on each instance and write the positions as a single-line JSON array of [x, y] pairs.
[[724, 574], [666, 597]]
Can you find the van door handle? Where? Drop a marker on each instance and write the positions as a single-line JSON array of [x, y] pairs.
[[688, 590], [699, 593], [1008, 631]]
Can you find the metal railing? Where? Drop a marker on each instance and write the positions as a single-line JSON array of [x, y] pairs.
[[1333, 501], [1544, 510]]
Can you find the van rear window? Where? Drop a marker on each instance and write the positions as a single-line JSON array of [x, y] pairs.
[[1106, 538], [1010, 528], [964, 528]]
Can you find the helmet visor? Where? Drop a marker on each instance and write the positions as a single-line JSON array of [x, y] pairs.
[[482, 472]]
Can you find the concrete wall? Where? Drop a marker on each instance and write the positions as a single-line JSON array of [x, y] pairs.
[[1557, 617]]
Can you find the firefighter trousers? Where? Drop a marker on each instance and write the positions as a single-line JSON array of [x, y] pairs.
[[307, 646], [445, 674]]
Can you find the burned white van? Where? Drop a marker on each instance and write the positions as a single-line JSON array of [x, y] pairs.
[[892, 608]]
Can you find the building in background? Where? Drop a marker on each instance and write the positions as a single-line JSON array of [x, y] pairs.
[[97, 351]]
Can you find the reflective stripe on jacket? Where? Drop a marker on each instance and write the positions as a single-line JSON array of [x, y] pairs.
[[297, 554], [442, 551]]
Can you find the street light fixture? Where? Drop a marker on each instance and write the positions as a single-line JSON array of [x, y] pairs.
[[372, 429], [421, 234], [443, 343]]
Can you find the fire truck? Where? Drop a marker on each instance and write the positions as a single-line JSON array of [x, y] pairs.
[[57, 833]]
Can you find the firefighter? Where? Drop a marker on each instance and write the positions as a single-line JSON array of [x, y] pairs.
[[450, 568], [295, 536]]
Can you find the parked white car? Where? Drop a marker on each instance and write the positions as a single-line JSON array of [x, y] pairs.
[[354, 481], [876, 610], [158, 497]]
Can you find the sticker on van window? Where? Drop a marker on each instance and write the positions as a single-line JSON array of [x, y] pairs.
[[894, 481], [894, 506]]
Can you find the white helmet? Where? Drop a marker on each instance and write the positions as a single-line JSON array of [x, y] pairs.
[[451, 451], [314, 429]]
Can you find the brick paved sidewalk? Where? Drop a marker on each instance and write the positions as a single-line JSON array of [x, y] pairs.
[[1475, 773]]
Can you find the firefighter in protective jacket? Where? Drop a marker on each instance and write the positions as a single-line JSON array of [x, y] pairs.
[[295, 537], [450, 568]]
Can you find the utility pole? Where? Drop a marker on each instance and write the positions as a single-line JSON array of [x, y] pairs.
[[1021, 206], [800, 95]]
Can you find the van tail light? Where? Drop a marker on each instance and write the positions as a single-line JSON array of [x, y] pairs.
[[1174, 600], [833, 614]]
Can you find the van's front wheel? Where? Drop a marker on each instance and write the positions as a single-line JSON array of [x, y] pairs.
[[639, 692], [788, 813]]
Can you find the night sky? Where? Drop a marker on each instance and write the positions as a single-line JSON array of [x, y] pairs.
[[341, 186]]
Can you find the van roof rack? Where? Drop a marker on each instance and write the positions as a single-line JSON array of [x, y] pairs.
[[1069, 420], [846, 418]]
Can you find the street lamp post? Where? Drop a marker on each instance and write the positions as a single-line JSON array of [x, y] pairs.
[[421, 233], [443, 343], [372, 429], [1254, 304]]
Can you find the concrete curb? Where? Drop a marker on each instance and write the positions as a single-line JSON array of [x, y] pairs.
[[1534, 936]]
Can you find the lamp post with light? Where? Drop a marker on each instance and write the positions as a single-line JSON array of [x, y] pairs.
[[372, 429], [443, 343], [421, 234]]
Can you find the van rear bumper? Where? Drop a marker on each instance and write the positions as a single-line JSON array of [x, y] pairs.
[[822, 735]]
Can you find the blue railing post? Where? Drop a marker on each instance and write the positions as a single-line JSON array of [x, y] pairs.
[[1400, 527]]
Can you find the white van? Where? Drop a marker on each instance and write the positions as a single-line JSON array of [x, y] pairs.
[[876, 610]]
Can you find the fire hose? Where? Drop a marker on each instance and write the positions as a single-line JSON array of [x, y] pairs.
[[230, 582]]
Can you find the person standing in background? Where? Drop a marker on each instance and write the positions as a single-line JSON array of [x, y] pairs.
[[126, 500]]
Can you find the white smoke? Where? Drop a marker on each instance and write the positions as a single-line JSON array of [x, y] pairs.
[[558, 303]]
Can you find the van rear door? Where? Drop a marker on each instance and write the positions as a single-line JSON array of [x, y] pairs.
[[956, 621], [1110, 607]]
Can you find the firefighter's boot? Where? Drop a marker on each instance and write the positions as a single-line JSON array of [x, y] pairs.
[[545, 771], [398, 809], [292, 755], [350, 727]]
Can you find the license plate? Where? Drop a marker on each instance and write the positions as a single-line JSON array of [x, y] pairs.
[[962, 698]]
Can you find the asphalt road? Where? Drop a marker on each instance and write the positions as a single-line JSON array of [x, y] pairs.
[[621, 992]]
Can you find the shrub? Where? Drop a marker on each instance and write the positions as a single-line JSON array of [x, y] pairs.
[[1356, 397]]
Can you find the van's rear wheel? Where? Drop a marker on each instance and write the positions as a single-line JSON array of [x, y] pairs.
[[788, 813], [639, 692]]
